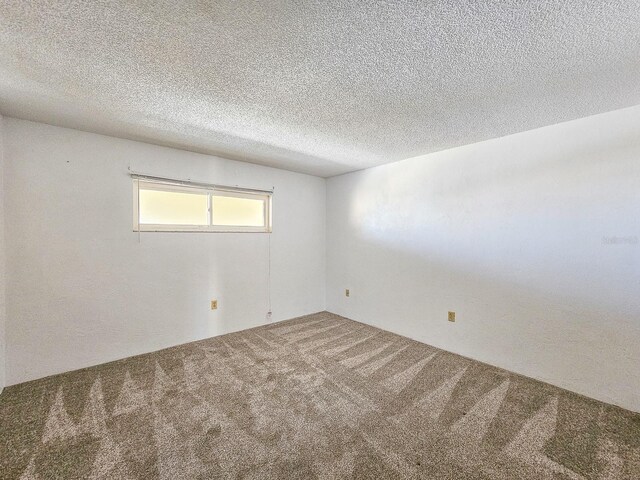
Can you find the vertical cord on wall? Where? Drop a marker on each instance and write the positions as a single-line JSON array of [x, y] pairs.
[[269, 313], [138, 185]]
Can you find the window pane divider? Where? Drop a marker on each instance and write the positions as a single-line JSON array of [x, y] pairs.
[[149, 183]]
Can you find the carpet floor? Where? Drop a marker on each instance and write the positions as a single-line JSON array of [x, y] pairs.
[[319, 397]]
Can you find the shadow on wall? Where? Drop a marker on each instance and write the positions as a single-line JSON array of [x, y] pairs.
[[560, 229], [521, 250], [504, 324], [413, 295]]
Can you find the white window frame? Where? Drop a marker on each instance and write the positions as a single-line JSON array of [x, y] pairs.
[[140, 184]]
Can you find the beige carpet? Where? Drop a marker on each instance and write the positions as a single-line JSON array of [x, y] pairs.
[[314, 397]]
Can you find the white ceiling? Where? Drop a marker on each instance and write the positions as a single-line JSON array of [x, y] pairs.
[[322, 87]]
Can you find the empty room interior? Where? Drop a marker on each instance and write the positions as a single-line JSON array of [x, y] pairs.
[[320, 239]]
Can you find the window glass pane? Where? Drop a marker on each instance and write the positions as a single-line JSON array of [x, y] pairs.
[[236, 211], [173, 208]]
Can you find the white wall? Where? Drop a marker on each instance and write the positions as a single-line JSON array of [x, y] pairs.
[[2, 262], [83, 289], [514, 234]]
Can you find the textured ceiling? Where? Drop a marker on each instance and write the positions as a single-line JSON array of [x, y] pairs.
[[321, 87]]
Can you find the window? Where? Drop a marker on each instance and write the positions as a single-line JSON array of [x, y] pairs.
[[167, 207]]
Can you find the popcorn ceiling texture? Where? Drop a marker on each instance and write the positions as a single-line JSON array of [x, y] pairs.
[[322, 87]]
